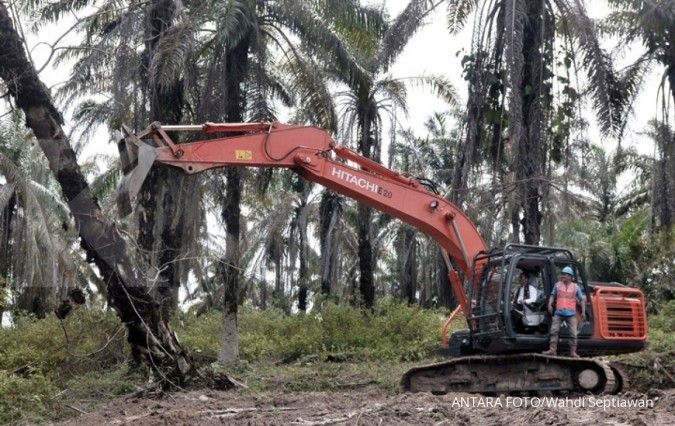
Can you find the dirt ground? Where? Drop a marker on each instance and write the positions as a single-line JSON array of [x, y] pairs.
[[376, 407]]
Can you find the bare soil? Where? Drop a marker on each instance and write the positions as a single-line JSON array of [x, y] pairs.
[[371, 406]]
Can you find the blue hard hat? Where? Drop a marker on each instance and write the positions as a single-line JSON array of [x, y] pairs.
[[568, 270]]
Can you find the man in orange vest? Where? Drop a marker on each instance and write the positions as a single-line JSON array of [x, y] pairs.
[[566, 294]]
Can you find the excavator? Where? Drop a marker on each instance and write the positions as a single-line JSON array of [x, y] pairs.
[[498, 352]]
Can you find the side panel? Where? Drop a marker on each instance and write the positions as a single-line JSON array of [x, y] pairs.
[[620, 313]]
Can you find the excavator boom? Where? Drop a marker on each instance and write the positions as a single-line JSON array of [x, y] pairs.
[[315, 156]]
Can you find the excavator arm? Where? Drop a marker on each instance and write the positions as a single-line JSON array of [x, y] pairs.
[[311, 153]]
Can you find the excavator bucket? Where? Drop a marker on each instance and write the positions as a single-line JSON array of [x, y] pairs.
[[137, 158]]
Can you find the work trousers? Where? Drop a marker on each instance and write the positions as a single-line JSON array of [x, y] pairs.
[[571, 326]]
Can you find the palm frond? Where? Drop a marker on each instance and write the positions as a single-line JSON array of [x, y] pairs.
[[631, 79], [50, 199], [308, 81], [233, 20], [258, 99], [514, 20], [31, 230], [111, 17], [458, 12], [405, 25], [361, 26], [609, 98], [622, 23], [105, 183], [52, 12], [394, 91], [168, 62], [321, 40], [352, 14], [440, 86]]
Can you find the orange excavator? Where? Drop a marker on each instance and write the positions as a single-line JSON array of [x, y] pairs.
[[499, 351]]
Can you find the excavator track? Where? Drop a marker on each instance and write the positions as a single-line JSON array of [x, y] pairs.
[[513, 374], [622, 382]]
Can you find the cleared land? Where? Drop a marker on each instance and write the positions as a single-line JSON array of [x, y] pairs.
[[375, 406]]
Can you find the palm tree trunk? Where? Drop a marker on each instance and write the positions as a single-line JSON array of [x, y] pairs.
[[6, 215], [278, 293], [468, 147], [410, 268], [229, 348], [366, 279], [446, 297], [236, 64], [550, 239], [407, 263], [513, 210], [364, 216], [303, 273], [429, 294], [670, 160], [150, 335], [263, 294], [330, 209], [162, 207], [529, 144]]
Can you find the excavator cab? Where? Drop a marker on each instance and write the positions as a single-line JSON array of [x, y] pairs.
[[497, 321], [498, 324]]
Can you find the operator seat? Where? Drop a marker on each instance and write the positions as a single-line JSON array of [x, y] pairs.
[[534, 313]]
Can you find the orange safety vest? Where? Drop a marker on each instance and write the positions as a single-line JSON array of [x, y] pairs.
[[566, 298]]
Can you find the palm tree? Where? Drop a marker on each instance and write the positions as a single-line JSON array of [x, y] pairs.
[[208, 61], [245, 30], [652, 24], [38, 265], [121, 57], [663, 179], [431, 159], [369, 95], [150, 336], [511, 74]]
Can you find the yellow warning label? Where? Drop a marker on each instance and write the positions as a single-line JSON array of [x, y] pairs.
[[243, 154]]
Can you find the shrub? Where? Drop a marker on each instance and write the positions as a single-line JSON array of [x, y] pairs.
[[200, 333], [665, 320], [36, 360], [22, 397], [661, 331], [392, 331], [112, 382], [96, 340]]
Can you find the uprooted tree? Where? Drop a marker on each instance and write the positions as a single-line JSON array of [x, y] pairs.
[[149, 335]]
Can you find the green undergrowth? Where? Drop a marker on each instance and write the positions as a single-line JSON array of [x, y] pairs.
[[392, 331], [44, 362], [48, 366], [43, 374]]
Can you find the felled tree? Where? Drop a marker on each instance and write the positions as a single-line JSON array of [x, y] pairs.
[[149, 335]]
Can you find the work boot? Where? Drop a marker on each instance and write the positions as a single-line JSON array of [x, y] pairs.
[[573, 351], [552, 349]]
